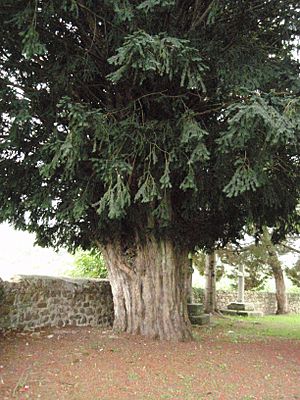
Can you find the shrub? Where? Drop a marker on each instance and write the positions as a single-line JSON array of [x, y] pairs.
[[88, 264]]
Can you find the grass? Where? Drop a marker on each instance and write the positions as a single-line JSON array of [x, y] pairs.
[[133, 376], [283, 326]]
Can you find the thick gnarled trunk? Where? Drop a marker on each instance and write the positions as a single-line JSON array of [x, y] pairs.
[[149, 289]]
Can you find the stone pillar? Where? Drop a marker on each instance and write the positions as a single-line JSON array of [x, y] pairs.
[[241, 284], [240, 307], [189, 288]]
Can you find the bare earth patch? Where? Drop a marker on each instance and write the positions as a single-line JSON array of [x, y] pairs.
[[92, 364]]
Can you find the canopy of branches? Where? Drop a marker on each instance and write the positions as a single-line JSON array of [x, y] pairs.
[[124, 117]]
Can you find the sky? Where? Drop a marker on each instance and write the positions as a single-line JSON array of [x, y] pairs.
[[19, 256]]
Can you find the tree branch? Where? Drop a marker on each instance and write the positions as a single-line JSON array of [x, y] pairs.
[[290, 248], [197, 21]]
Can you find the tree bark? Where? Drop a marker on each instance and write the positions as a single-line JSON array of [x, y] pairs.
[[281, 296], [149, 289], [210, 303]]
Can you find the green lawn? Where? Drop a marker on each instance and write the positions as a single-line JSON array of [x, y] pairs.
[[284, 326]]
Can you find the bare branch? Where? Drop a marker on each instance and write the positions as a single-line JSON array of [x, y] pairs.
[[290, 248], [197, 21]]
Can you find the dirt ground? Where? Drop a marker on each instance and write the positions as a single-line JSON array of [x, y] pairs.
[[92, 364]]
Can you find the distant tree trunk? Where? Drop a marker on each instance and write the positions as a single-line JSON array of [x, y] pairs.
[[281, 296], [210, 303], [189, 285], [149, 288]]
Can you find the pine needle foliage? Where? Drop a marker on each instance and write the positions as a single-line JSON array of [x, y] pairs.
[[123, 117]]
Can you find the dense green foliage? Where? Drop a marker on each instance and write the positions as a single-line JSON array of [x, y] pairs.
[[294, 273], [257, 271], [254, 258], [124, 117], [199, 259], [88, 264]]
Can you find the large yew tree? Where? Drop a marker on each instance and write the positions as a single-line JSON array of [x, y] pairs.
[[148, 128]]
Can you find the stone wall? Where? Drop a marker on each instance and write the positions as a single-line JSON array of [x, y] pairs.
[[265, 302], [29, 302]]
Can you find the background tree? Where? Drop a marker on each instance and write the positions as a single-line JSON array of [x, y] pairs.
[[210, 300], [253, 259], [148, 128], [207, 265], [88, 264], [276, 268], [260, 261], [294, 273]]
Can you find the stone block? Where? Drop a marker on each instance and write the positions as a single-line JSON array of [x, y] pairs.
[[195, 309], [242, 313], [5, 323], [5, 309], [28, 316], [10, 299], [42, 305], [203, 319], [241, 306]]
